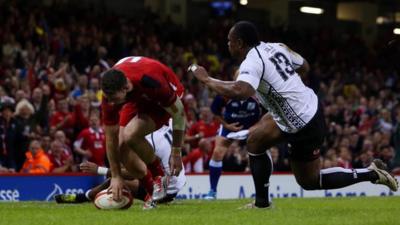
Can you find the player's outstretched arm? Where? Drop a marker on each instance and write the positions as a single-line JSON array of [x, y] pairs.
[[93, 168], [230, 126], [177, 113], [231, 89], [116, 184]]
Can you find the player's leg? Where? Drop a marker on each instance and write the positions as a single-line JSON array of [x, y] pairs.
[[133, 138], [139, 192], [215, 164], [161, 140], [136, 126], [134, 164], [263, 135], [131, 161], [310, 176], [306, 163]]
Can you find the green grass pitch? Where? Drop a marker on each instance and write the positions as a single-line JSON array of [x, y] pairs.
[[307, 211]]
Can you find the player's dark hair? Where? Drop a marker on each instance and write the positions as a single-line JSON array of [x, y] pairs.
[[113, 81], [247, 32]]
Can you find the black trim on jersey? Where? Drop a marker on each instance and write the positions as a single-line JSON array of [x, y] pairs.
[[152, 141], [263, 71], [168, 138]]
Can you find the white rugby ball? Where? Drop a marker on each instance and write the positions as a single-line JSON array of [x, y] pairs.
[[103, 200]]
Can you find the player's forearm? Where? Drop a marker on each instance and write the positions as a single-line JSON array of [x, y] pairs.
[[178, 123], [178, 137], [230, 89], [112, 150], [124, 173]]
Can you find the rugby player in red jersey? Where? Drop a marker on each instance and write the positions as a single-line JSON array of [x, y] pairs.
[[139, 96]]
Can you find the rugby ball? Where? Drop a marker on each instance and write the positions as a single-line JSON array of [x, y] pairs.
[[104, 200]]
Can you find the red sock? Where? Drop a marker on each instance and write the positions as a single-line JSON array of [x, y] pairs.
[[147, 182], [156, 168]]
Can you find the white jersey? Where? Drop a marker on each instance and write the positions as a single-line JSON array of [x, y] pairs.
[[270, 69], [161, 140]]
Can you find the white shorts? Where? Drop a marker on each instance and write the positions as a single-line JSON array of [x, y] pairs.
[[161, 141]]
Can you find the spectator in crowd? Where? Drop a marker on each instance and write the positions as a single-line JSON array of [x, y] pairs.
[[65, 142], [6, 170], [61, 160], [80, 114], [45, 142], [206, 127], [81, 88], [8, 137], [95, 93], [345, 158], [37, 160], [235, 159], [191, 109], [280, 163], [25, 128], [4, 98], [197, 160], [40, 100], [90, 143], [62, 119]]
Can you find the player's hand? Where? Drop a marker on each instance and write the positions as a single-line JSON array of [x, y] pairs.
[[175, 163], [234, 126], [116, 186], [88, 167], [199, 72]]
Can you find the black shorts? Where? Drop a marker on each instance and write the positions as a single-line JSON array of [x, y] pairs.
[[305, 144]]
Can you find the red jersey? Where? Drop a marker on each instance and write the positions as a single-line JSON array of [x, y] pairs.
[[94, 141], [58, 117], [58, 161], [154, 86], [208, 130]]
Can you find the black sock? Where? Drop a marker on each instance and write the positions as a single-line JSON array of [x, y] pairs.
[[81, 197], [338, 177], [140, 193], [261, 169]]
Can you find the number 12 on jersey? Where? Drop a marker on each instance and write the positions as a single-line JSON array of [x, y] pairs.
[[282, 65]]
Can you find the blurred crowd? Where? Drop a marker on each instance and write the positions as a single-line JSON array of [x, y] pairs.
[[52, 60]]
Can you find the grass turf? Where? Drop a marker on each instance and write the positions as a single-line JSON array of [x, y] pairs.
[[307, 211]]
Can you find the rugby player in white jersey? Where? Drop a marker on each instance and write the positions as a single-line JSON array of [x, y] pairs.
[[272, 72], [161, 141]]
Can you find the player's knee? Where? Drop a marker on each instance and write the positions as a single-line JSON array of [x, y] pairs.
[[308, 183], [123, 151], [124, 154], [218, 154], [253, 141], [141, 172]]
